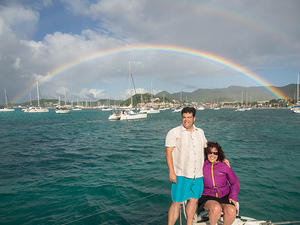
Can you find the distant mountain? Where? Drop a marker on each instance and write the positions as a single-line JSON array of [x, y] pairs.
[[231, 94]]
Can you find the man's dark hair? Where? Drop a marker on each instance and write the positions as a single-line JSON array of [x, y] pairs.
[[189, 110]]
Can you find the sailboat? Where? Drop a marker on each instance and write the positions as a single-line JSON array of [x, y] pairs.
[[129, 114], [37, 109], [6, 109], [62, 110], [77, 107], [296, 108], [242, 107], [152, 110], [107, 108], [164, 105], [180, 107]]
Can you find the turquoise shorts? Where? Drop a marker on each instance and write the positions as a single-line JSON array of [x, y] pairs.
[[186, 188]]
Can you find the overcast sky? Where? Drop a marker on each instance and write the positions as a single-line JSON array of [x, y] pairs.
[[39, 36]]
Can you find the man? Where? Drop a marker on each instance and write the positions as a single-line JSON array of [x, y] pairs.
[[185, 156]]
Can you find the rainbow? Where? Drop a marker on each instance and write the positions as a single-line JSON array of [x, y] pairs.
[[165, 48]]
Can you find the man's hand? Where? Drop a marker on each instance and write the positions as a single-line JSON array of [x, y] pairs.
[[227, 162], [169, 159], [173, 178]]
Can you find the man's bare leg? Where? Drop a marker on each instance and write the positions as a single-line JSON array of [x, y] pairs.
[[173, 212], [190, 210]]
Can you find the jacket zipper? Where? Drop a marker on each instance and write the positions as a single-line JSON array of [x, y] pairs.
[[212, 176]]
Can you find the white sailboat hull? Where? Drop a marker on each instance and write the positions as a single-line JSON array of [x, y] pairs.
[[132, 116], [297, 110], [7, 110], [76, 109], [241, 109], [153, 111], [106, 109], [36, 110], [114, 116], [62, 111], [178, 109]]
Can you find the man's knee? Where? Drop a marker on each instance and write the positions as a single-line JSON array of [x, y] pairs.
[[175, 204], [193, 201]]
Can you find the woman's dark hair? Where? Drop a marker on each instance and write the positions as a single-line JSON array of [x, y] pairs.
[[211, 145], [189, 110]]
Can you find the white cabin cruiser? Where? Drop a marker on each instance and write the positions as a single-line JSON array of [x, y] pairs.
[[115, 116]]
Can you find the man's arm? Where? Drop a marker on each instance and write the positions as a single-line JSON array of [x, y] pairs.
[[169, 159]]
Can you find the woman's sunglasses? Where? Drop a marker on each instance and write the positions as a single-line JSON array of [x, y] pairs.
[[209, 152]]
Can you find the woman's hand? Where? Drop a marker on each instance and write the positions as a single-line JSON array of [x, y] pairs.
[[173, 178], [232, 201]]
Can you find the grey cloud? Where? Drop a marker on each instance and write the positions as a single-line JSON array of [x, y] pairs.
[[251, 33]]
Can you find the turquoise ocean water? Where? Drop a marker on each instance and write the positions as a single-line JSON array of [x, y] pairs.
[[80, 168]]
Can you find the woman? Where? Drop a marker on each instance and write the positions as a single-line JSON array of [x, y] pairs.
[[218, 195]]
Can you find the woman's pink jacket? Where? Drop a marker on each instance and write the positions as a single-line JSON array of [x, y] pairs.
[[217, 177]]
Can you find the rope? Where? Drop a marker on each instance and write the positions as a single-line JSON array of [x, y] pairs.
[[287, 222], [104, 211]]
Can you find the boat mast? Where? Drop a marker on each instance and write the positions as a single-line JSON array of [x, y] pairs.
[[59, 101], [181, 97], [242, 100], [142, 101], [298, 89], [38, 95], [151, 91], [130, 80], [5, 98], [65, 97]]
